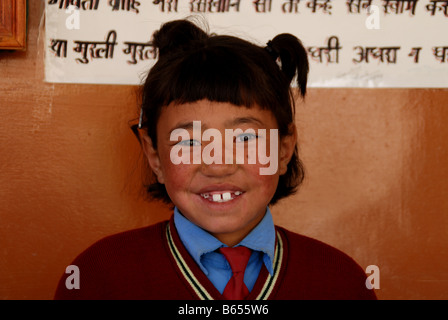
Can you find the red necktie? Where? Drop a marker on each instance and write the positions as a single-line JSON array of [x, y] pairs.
[[238, 258]]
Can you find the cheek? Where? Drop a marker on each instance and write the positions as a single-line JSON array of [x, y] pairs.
[[266, 185], [175, 176], [266, 152]]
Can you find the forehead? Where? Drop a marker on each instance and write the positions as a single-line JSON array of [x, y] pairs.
[[220, 115]]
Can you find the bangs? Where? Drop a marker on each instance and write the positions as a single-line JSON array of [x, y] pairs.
[[213, 70], [217, 74]]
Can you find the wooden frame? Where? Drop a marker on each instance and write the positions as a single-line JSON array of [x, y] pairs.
[[13, 24]]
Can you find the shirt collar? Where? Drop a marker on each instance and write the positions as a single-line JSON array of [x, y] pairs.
[[262, 238], [198, 242]]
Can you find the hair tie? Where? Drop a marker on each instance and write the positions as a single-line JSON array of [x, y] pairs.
[[140, 118], [272, 51]]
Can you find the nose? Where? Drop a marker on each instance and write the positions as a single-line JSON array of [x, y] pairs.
[[218, 170], [217, 161]]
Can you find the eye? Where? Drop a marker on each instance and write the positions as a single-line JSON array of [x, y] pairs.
[[244, 137], [189, 143]]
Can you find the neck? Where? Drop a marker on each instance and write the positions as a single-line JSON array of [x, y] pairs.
[[229, 240], [233, 238]]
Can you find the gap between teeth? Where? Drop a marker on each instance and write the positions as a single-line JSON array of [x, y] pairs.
[[218, 197]]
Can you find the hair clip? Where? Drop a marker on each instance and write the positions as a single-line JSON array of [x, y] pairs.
[[274, 53], [140, 119]]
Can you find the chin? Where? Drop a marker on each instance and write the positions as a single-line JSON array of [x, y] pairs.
[[222, 226], [228, 226]]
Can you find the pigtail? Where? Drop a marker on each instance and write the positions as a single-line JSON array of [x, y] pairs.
[[293, 57], [176, 36]]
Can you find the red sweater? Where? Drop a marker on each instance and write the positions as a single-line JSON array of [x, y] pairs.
[[152, 263]]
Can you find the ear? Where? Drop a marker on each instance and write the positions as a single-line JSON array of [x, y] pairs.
[[152, 156], [287, 147]]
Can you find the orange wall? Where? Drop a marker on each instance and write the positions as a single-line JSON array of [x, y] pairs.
[[376, 159]]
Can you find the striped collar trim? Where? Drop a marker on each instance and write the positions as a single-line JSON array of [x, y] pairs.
[[272, 279], [202, 292]]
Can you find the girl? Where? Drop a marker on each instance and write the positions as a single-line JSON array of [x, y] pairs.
[[221, 242]]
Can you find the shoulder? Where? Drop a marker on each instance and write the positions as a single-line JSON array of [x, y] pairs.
[[119, 265], [312, 248], [322, 270], [127, 242]]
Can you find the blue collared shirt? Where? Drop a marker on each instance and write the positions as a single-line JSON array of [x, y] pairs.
[[202, 247]]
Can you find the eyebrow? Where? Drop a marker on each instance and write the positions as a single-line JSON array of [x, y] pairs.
[[188, 125], [243, 120], [181, 125]]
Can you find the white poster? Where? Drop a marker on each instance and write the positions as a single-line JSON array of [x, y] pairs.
[[351, 43]]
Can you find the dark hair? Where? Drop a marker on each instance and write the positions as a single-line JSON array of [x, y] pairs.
[[193, 65]]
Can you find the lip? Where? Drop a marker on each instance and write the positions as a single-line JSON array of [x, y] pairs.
[[222, 207], [220, 188]]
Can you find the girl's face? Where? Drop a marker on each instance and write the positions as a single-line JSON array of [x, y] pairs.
[[226, 199]]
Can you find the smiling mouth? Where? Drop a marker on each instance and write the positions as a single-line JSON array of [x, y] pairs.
[[221, 196]]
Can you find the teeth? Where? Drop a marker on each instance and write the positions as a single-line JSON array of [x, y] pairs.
[[221, 197], [226, 196]]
